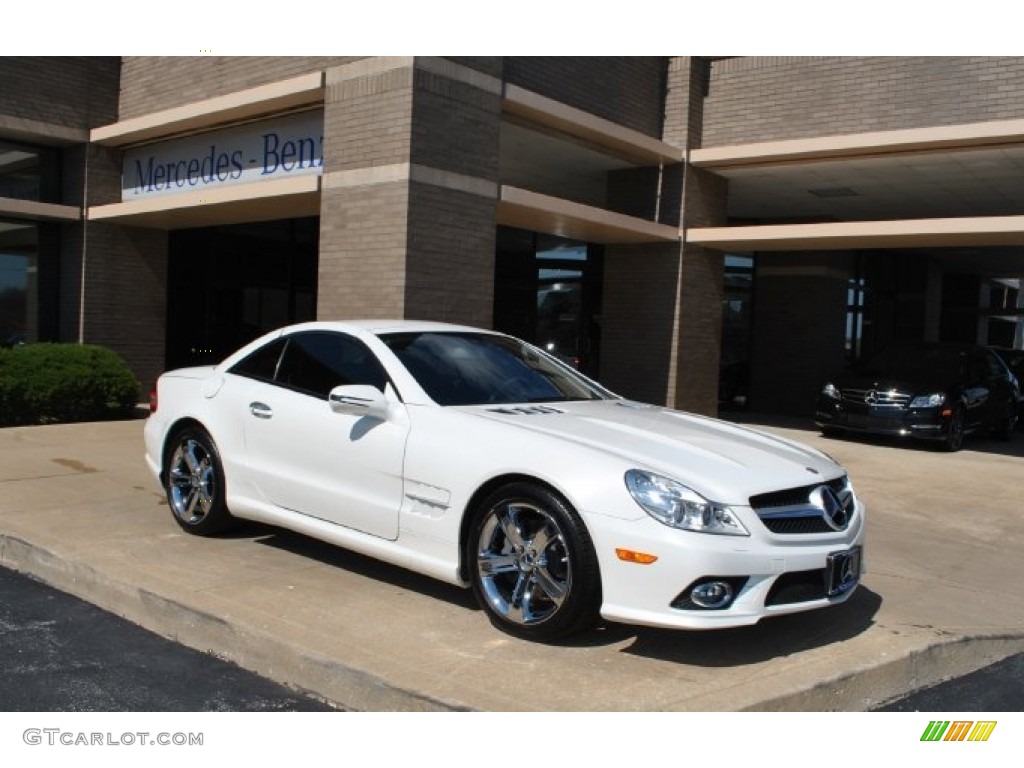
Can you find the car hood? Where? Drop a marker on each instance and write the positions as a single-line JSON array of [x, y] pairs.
[[721, 461]]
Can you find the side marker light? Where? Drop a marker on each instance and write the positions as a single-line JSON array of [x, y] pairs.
[[629, 556]]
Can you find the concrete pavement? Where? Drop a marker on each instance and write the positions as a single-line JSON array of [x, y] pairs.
[[79, 510]]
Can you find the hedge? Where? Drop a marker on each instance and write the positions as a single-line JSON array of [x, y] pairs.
[[48, 383]]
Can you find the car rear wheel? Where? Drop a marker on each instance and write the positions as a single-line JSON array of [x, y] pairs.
[[195, 483], [533, 566]]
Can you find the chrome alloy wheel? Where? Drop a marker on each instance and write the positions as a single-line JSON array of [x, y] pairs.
[[523, 563], [192, 481]]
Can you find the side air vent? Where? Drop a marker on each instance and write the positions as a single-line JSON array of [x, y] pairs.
[[525, 410]]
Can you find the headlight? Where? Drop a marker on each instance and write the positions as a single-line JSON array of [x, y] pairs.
[[830, 390], [677, 506], [928, 401]]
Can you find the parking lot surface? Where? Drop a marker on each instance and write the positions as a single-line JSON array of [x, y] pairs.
[[79, 510]]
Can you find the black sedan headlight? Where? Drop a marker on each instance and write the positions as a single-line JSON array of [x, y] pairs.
[[932, 400]]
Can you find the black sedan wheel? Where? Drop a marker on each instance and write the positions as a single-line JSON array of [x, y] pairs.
[[955, 431], [195, 483], [1005, 429], [533, 566]]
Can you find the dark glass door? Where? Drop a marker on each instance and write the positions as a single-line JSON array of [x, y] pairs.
[[547, 290], [228, 285]]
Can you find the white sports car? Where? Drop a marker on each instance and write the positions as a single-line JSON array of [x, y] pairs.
[[475, 458]]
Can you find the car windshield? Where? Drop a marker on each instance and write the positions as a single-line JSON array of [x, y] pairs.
[[482, 368], [938, 364]]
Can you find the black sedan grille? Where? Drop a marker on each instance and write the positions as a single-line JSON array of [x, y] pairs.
[[791, 512], [876, 398]]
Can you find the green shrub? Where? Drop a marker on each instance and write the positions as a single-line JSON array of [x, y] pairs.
[[46, 383]]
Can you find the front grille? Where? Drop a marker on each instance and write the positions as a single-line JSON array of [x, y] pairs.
[[792, 497], [798, 525], [797, 587], [876, 398], [791, 512]]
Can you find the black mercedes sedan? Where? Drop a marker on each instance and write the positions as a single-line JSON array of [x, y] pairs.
[[930, 391]]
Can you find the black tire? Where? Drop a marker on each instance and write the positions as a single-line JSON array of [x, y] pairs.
[[532, 564], [194, 483], [833, 433], [1005, 429], [955, 430]]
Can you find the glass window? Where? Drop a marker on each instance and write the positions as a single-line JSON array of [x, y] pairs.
[[737, 304], [19, 282], [28, 173], [479, 369], [316, 362], [261, 364], [547, 290]]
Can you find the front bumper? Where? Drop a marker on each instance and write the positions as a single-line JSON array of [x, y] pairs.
[[919, 423], [777, 574]]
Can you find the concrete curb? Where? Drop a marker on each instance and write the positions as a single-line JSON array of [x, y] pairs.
[[877, 685], [355, 689], [344, 686]]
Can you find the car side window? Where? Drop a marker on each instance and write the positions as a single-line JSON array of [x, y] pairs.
[[995, 367], [316, 362], [261, 364]]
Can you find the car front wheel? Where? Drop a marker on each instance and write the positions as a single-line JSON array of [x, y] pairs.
[[1005, 429], [533, 566], [195, 483], [955, 431]]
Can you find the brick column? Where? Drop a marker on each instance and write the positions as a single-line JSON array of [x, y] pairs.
[[409, 190], [124, 271], [799, 329], [663, 302]]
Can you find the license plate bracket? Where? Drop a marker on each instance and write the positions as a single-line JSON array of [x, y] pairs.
[[842, 571]]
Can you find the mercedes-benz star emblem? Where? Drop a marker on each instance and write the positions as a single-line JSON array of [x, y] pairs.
[[871, 397], [846, 574], [832, 510]]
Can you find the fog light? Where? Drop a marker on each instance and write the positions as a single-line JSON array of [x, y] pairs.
[[712, 594]]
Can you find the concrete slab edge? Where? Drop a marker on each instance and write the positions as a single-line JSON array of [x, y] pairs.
[[878, 684], [326, 679], [355, 689]]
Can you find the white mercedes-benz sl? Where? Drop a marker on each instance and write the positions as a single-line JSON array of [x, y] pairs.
[[475, 458]]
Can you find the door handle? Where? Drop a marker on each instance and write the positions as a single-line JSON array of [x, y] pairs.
[[260, 410]]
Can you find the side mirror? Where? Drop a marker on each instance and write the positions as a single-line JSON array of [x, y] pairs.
[[359, 400]]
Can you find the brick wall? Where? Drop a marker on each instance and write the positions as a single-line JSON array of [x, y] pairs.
[[455, 127], [392, 246], [786, 97], [125, 271], [125, 295], [627, 90], [450, 261], [70, 91], [662, 305], [152, 83], [362, 252], [638, 317], [639, 192]]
